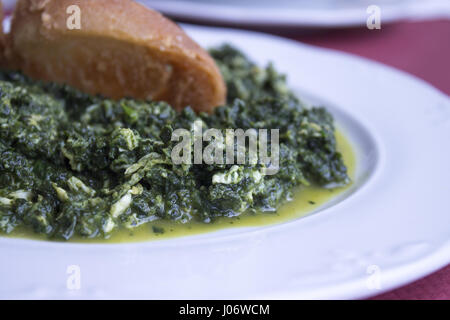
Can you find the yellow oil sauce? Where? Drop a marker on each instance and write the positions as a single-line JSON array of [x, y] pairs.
[[306, 200]]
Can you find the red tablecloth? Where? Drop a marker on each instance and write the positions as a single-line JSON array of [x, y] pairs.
[[422, 49]]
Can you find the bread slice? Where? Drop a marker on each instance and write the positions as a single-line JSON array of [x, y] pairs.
[[122, 49]]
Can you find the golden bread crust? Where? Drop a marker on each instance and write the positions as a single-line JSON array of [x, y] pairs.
[[122, 49]]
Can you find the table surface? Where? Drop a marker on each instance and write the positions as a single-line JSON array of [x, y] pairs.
[[421, 48]]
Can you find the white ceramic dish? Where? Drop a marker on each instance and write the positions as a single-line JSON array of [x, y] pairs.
[[391, 228], [298, 13]]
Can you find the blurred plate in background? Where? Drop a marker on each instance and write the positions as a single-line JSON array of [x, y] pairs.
[[8, 5], [298, 13]]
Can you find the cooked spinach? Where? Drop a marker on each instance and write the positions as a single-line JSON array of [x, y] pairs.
[[79, 165]]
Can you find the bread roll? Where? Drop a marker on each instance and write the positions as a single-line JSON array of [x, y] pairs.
[[122, 49]]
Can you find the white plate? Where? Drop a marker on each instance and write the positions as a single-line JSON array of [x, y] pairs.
[[298, 13], [393, 227]]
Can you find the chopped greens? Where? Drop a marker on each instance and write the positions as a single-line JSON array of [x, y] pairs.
[[79, 165]]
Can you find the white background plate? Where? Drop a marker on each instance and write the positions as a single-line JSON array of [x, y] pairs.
[[396, 221], [299, 13]]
